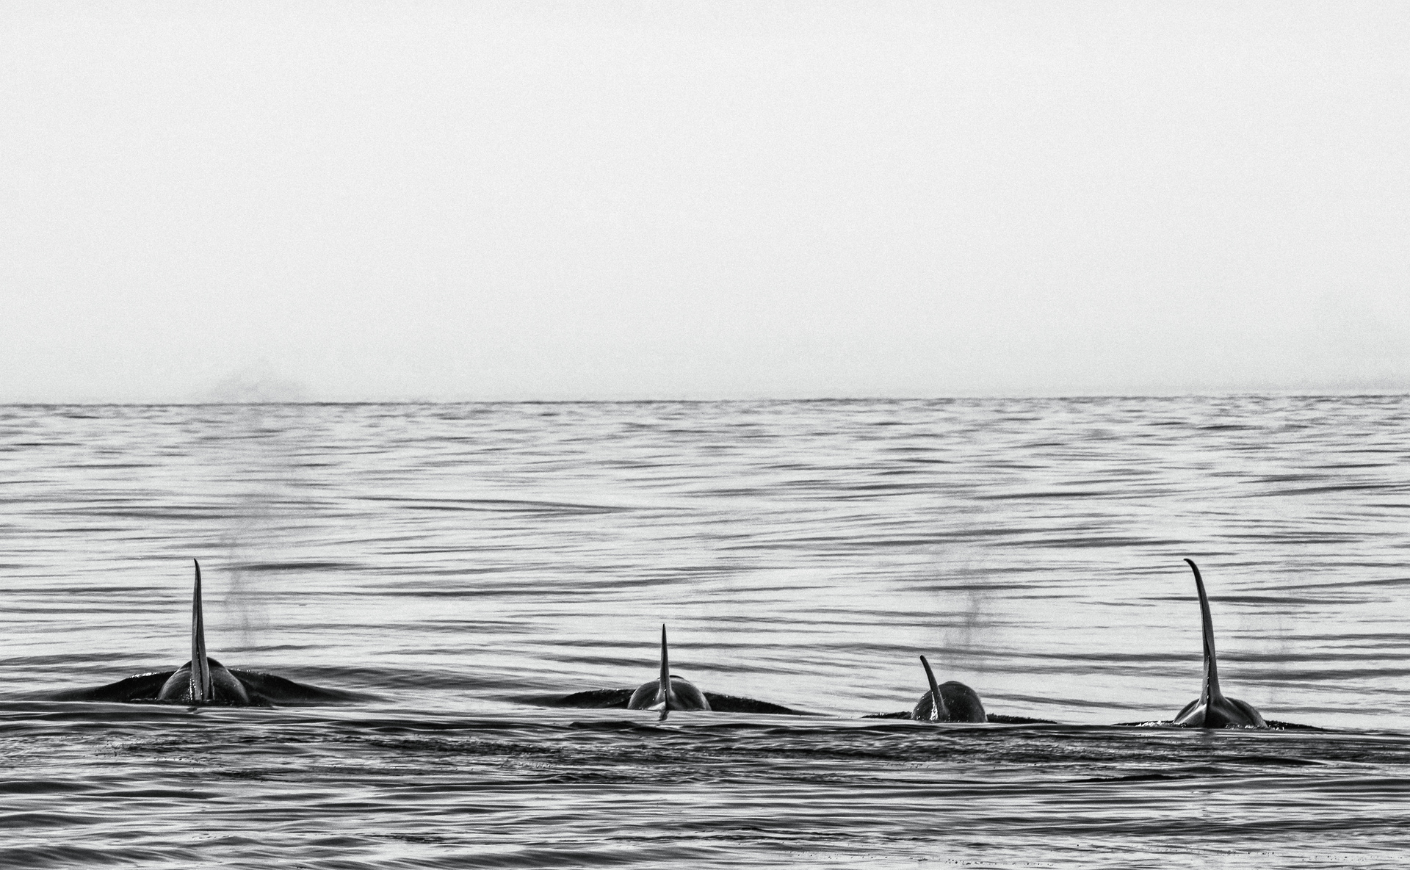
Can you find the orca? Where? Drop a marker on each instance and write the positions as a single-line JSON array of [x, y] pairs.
[[1212, 709], [947, 702], [666, 693], [203, 681], [956, 703]]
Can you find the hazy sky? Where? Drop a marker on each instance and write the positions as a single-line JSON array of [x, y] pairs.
[[618, 200]]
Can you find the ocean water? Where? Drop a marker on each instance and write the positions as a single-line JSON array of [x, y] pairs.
[[458, 566]]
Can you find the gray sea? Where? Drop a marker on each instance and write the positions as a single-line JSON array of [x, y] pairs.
[[458, 566]]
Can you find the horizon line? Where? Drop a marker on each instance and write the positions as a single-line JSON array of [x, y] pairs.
[[1286, 394]]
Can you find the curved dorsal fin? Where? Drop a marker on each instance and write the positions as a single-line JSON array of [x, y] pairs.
[[200, 667], [937, 704], [1209, 689]]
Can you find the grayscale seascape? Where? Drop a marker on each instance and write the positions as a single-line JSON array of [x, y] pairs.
[[458, 566]]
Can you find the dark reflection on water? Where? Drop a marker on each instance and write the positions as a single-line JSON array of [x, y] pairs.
[[453, 562]]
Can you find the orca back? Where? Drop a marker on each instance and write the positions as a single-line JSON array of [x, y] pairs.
[[961, 704]]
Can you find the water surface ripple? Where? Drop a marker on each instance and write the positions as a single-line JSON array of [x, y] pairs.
[[457, 564]]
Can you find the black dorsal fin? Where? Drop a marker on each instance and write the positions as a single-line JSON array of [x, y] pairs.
[[1209, 689], [937, 703], [663, 690], [200, 667]]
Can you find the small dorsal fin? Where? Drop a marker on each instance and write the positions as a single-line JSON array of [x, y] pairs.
[[937, 704], [200, 666], [1209, 688]]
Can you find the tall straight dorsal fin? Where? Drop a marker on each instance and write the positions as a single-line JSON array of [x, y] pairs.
[[937, 704], [200, 667], [663, 690], [1209, 689]]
